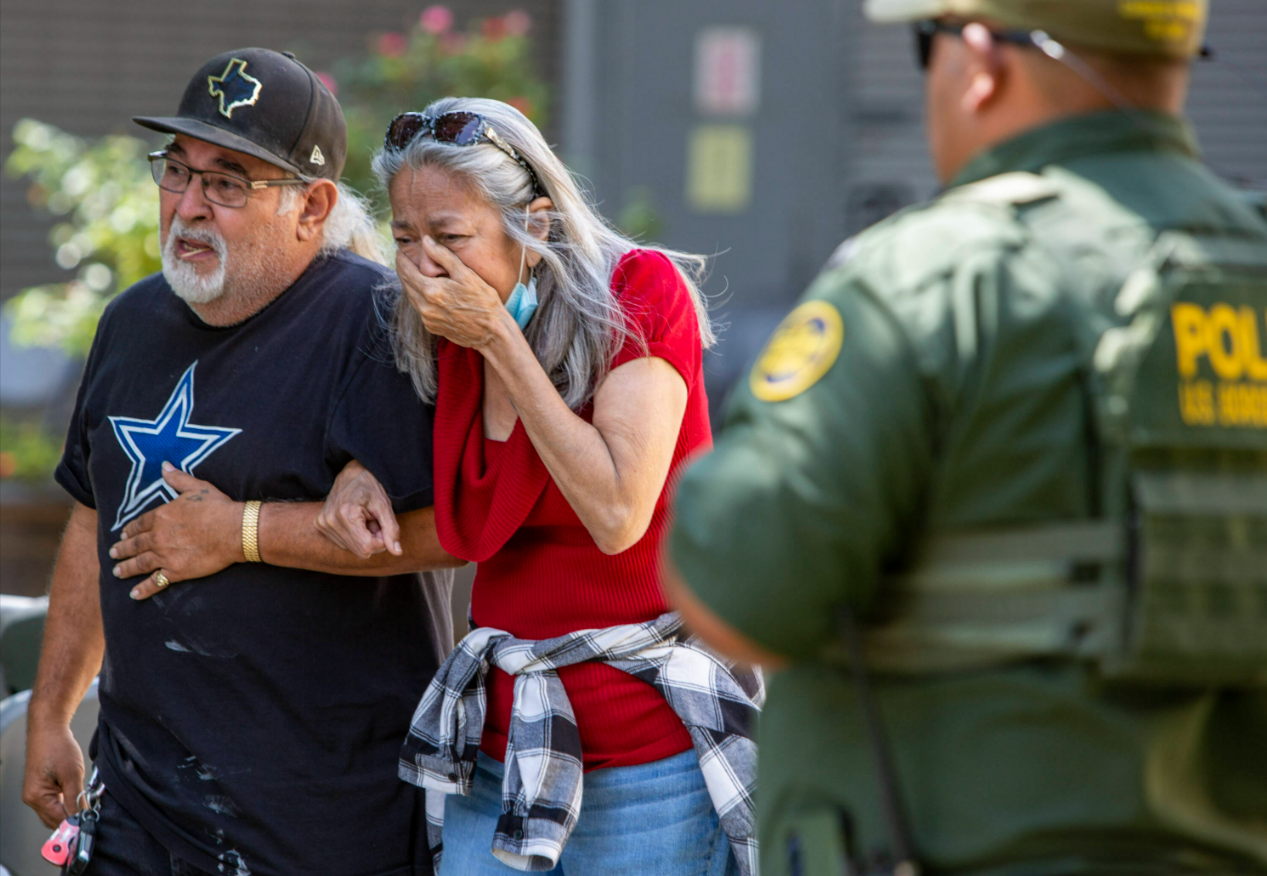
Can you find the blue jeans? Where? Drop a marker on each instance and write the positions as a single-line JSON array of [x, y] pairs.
[[654, 819]]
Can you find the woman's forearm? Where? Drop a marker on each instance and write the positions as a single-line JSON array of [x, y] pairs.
[[612, 471]]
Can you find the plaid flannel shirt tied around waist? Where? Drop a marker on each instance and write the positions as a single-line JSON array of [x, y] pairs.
[[541, 789]]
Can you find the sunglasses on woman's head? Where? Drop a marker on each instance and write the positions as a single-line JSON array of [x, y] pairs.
[[456, 129]]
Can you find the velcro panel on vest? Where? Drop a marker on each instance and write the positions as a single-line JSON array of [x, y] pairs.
[[981, 598], [1186, 402], [1200, 609]]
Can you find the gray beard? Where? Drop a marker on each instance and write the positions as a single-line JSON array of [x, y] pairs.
[[249, 271], [185, 279]]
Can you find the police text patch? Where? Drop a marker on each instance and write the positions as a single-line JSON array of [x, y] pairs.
[[803, 348], [1225, 340]]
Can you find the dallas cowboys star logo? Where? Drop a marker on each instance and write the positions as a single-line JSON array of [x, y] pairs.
[[169, 437]]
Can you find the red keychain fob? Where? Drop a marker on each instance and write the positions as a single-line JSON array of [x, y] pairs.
[[57, 849]]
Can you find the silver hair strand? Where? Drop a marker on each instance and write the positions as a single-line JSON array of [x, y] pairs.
[[579, 326]]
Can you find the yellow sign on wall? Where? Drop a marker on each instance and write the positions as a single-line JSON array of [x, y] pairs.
[[719, 169]]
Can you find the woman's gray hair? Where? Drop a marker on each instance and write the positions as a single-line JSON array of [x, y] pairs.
[[350, 224], [579, 326]]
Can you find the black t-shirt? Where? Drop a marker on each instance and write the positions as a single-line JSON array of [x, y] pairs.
[[252, 720]]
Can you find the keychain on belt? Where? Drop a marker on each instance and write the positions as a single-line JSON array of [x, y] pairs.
[[71, 845]]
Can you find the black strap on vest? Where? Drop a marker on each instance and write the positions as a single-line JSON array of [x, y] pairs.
[[902, 860]]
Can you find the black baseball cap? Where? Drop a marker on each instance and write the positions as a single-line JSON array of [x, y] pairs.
[[266, 104]]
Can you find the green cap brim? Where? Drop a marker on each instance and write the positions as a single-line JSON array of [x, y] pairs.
[[888, 11], [1167, 28]]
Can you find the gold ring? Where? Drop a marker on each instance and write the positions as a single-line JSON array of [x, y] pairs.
[[160, 580]]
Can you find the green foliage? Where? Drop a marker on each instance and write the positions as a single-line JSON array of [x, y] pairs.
[[109, 235], [27, 451], [639, 219], [407, 71]]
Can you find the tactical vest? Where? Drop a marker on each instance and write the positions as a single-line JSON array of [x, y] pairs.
[[1169, 585]]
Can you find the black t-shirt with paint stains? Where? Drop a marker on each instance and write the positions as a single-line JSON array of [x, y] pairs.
[[252, 720]]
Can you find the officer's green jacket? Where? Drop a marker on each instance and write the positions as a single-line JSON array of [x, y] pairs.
[[953, 403]]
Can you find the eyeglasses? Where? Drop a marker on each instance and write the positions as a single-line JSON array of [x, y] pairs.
[[456, 129], [925, 31], [220, 188]]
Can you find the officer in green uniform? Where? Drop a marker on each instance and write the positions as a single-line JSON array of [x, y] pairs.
[[1019, 434]]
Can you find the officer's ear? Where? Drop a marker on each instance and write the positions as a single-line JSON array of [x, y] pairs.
[[985, 68], [318, 201]]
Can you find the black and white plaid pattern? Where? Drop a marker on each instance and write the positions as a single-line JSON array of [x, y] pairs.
[[541, 790]]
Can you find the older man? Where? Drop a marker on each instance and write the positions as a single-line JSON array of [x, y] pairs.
[[1020, 433], [250, 723]]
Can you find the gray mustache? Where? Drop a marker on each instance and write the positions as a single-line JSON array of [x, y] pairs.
[[198, 235]]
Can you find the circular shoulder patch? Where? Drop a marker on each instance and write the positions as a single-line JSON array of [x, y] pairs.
[[803, 348]]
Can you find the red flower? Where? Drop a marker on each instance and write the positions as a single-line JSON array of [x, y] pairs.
[[493, 29], [391, 45], [328, 81], [522, 104], [436, 19], [518, 22]]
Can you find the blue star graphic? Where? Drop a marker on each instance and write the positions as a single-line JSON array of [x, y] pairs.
[[169, 437]]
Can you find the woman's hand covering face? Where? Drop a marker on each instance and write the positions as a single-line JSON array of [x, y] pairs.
[[460, 307], [455, 260]]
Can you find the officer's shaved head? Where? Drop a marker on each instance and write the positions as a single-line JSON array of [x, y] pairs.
[[982, 91], [1001, 67]]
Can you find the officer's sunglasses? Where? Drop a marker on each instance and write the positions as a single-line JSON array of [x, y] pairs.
[[927, 29], [218, 187], [457, 129]]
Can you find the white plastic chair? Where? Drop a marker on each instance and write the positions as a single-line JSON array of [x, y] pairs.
[[23, 833], [21, 629]]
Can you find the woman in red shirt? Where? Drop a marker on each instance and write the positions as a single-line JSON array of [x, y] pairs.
[[565, 364]]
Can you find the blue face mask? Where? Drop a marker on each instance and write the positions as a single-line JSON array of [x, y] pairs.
[[522, 302]]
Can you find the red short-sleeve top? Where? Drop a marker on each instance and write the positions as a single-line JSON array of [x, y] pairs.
[[540, 573]]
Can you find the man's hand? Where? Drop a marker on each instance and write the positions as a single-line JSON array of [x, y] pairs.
[[54, 772], [358, 515], [196, 535]]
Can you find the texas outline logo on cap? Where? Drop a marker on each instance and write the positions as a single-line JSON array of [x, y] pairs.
[[235, 87]]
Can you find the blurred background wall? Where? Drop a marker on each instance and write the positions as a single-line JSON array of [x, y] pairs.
[[761, 133], [833, 130], [88, 67]]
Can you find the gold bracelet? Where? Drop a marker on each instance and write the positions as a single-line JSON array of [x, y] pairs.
[[251, 532]]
